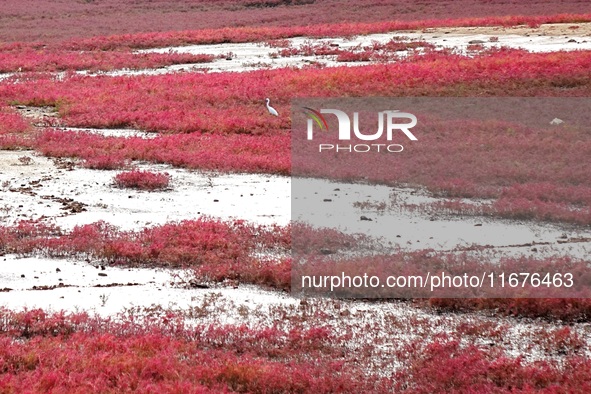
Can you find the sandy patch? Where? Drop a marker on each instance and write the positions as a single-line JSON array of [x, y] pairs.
[[60, 284], [37, 188], [112, 132], [550, 29]]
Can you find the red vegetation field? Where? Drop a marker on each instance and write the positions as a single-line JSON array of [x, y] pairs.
[[215, 250], [12, 123], [234, 152], [39, 60], [80, 354], [234, 102], [219, 122], [258, 34], [44, 352], [49, 21]]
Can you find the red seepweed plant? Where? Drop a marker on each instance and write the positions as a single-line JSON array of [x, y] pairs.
[[142, 180], [12, 123]]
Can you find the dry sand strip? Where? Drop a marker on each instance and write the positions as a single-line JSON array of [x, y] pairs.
[[61, 284], [549, 29], [59, 191]]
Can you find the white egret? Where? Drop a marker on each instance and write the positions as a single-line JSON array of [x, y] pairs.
[[272, 110]]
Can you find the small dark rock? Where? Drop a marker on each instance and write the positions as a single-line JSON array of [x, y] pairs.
[[326, 251], [102, 274], [58, 270], [475, 42], [572, 40], [22, 275], [478, 225], [365, 218], [197, 285], [327, 200]]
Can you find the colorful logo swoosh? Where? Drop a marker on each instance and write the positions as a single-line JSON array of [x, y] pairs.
[[317, 117]]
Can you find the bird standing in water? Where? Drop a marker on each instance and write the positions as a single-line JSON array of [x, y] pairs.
[[272, 110]]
